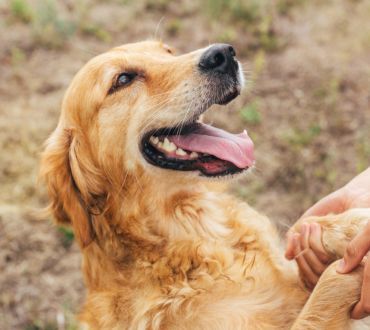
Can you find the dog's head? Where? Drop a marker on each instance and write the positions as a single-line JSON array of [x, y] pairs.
[[135, 111]]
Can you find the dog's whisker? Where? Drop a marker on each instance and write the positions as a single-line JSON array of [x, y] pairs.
[[180, 127], [160, 105], [164, 93], [85, 50], [158, 27], [194, 98], [158, 110]]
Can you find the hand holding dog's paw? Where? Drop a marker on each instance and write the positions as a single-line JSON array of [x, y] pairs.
[[308, 251]]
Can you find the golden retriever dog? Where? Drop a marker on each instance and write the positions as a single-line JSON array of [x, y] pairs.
[[137, 174]]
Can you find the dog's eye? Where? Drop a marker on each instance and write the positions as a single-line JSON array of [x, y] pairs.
[[123, 80]]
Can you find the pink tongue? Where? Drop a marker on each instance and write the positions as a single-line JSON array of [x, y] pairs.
[[235, 148]]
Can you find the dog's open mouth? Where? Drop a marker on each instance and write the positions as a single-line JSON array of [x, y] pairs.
[[199, 147]]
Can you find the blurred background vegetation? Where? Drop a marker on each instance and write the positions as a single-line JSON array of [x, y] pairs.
[[306, 106]]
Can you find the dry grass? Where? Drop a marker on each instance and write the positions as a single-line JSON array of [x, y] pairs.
[[307, 108]]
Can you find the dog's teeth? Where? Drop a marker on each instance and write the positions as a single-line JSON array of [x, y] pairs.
[[180, 152], [154, 140], [194, 155], [169, 146]]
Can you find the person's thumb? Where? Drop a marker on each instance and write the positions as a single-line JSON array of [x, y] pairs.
[[333, 203], [355, 251]]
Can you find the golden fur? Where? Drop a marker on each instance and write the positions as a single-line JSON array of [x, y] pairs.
[[165, 249]]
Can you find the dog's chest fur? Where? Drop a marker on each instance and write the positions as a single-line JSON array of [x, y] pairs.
[[211, 251]]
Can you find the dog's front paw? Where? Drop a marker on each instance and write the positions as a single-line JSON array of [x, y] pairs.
[[314, 242]]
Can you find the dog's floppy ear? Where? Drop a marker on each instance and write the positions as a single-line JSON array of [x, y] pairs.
[[72, 182]]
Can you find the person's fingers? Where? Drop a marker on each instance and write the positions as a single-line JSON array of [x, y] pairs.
[[333, 203], [308, 254], [315, 242], [362, 308], [314, 262], [307, 274], [355, 251], [358, 312], [305, 234], [289, 250]]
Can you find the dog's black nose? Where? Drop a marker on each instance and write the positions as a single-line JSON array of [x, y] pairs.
[[218, 58]]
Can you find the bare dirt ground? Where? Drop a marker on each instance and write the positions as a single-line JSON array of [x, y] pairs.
[[306, 107]]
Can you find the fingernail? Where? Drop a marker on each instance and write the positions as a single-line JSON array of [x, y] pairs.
[[341, 266], [289, 256]]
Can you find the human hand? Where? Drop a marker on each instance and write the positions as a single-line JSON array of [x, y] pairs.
[[356, 250], [309, 253], [355, 194]]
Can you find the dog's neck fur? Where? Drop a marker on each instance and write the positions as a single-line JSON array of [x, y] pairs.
[[118, 241], [188, 214]]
